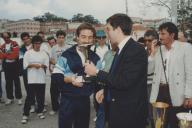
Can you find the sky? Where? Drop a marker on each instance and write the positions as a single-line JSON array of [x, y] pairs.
[[100, 9]]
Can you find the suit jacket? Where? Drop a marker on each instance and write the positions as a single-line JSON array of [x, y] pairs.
[[179, 73], [128, 87]]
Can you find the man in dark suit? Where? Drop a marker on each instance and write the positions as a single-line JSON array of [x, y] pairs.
[[126, 81]]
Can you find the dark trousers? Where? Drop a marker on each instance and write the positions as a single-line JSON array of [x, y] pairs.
[[74, 112], [1, 90], [150, 114], [25, 81], [100, 113], [121, 116], [56, 83], [35, 91], [164, 96], [12, 78]]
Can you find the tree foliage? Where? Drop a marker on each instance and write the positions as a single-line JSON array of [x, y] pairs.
[[184, 12], [87, 18], [185, 16], [49, 17]]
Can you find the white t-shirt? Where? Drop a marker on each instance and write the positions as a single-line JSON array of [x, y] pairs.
[[56, 52], [46, 48], [100, 51], [35, 76]]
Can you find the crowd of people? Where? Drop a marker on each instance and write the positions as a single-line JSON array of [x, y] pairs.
[[123, 75]]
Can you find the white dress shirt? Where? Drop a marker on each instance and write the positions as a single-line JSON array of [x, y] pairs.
[[122, 43]]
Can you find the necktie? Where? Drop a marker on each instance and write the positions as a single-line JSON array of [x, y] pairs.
[[114, 63], [108, 92]]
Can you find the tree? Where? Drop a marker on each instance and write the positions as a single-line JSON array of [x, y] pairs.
[[185, 16], [184, 12], [161, 3], [49, 17], [87, 18], [77, 18]]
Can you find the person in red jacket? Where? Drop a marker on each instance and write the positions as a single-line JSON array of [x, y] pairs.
[[9, 52]]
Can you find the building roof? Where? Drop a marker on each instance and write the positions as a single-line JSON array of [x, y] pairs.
[[138, 27]]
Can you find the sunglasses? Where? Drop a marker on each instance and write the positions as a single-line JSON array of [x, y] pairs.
[[101, 38], [148, 40]]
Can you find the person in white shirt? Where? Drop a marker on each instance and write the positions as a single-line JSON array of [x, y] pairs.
[[172, 66], [56, 52], [27, 45], [101, 47], [36, 62], [45, 45], [51, 41]]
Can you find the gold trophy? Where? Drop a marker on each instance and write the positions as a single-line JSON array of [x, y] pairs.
[[159, 114], [84, 49], [185, 119]]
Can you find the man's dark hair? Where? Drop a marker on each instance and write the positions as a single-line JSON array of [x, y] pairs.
[[60, 33], [40, 32], [8, 33], [36, 39], [121, 20], [84, 26], [170, 27], [50, 38], [141, 40], [24, 34], [153, 33]]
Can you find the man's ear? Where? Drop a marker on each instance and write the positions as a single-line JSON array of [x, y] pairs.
[[172, 35], [77, 38], [119, 30]]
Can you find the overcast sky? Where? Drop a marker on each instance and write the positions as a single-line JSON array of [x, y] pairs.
[[100, 9]]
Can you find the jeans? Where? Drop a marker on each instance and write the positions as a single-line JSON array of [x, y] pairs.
[[74, 112], [100, 122]]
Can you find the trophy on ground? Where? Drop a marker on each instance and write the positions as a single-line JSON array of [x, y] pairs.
[[185, 119], [159, 114]]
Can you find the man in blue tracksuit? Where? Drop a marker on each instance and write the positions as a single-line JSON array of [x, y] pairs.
[[75, 94]]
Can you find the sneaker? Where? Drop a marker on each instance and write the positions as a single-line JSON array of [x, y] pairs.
[[2, 100], [32, 110], [24, 120], [41, 115], [94, 119], [19, 101], [52, 112], [44, 110], [8, 102]]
